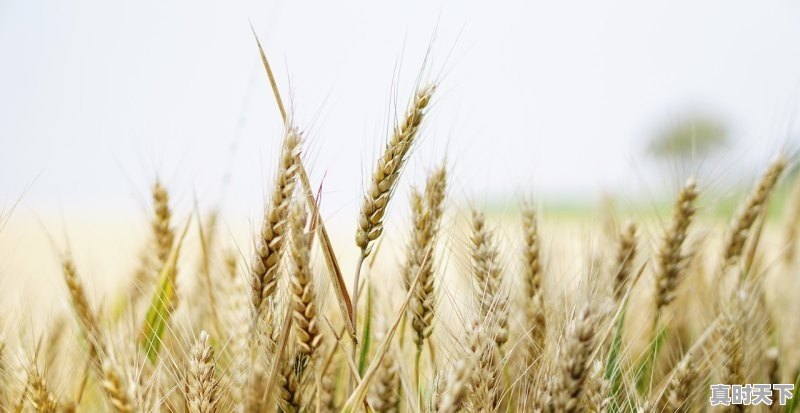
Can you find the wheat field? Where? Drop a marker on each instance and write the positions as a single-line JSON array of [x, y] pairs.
[[483, 312]]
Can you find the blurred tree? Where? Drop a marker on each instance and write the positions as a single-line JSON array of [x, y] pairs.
[[695, 136]]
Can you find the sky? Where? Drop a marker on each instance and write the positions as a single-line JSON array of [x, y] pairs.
[[554, 98]]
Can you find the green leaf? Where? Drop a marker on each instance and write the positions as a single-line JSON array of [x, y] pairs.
[[792, 404], [163, 303], [644, 372], [366, 333]]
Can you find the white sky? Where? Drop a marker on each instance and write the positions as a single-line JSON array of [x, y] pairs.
[[97, 98]]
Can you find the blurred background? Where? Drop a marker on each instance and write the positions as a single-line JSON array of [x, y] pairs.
[[568, 102]]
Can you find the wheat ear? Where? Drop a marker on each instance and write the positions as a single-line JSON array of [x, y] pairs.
[[384, 180], [756, 202], [163, 232], [289, 394], [626, 253], [264, 270], [489, 278], [386, 398], [484, 380], [597, 390], [682, 385], [202, 385], [42, 400], [308, 336], [568, 385], [534, 295], [732, 352], [80, 304], [304, 300], [456, 391], [671, 257], [116, 389], [427, 213]]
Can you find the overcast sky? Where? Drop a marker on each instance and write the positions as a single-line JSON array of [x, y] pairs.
[[99, 98]]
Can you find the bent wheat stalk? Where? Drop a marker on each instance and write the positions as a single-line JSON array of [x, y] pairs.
[[335, 272]]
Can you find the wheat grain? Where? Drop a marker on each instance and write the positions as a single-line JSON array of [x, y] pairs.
[[289, 395]]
